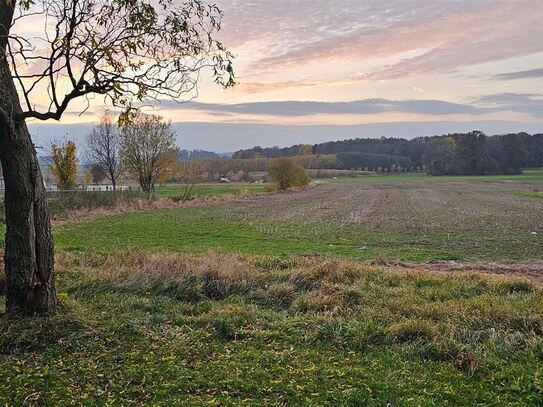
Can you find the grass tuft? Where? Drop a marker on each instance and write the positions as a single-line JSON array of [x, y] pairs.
[[412, 331], [515, 287]]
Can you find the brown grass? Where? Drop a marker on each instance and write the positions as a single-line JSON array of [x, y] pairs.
[[141, 206], [532, 270], [446, 316]]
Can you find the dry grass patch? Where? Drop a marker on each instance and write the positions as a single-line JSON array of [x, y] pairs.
[[241, 324], [140, 205], [183, 276]]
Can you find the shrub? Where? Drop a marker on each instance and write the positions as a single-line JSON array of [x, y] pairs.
[[286, 174], [60, 202], [63, 201], [301, 178]]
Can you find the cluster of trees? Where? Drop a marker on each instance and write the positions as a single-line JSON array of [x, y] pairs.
[[218, 167], [143, 149], [476, 154], [242, 168], [274, 152], [374, 162], [385, 146], [459, 153], [188, 155]]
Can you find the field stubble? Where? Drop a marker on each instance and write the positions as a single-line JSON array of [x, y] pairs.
[[411, 220]]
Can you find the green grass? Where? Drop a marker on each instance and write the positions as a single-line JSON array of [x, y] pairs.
[[168, 329], [467, 219], [532, 194], [150, 316], [176, 190], [199, 229], [529, 176], [419, 220]]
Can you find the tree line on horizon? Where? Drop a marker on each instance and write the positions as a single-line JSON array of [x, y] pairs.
[[457, 154], [471, 153]]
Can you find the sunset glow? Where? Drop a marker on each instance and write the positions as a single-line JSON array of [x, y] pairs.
[[477, 63]]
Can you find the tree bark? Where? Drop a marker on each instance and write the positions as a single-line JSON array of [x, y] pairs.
[[29, 252], [29, 255]]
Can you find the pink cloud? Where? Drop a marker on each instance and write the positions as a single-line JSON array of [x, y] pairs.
[[449, 33]]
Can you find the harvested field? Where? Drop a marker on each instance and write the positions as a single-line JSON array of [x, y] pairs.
[[406, 206], [417, 219]]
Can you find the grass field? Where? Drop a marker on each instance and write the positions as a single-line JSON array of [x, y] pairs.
[[145, 328], [176, 190], [407, 217], [262, 301], [529, 176]]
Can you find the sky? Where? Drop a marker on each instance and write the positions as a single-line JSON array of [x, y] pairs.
[[315, 70]]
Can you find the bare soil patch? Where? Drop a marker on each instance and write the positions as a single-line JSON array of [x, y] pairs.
[[405, 206]]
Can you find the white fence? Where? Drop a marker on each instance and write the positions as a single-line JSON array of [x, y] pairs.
[[104, 188], [82, 188]]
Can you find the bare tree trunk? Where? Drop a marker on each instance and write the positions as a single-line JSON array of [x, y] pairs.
[[29, 257], [29, 253]]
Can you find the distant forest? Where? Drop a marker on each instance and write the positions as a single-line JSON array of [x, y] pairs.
[[454, 154], [188, 155]]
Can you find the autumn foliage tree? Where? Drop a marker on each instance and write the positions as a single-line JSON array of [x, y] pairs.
[[64, 163], [123, 51], [148, 150], [285, 173]]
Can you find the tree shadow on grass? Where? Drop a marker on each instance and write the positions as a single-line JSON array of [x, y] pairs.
[[37, 333]]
